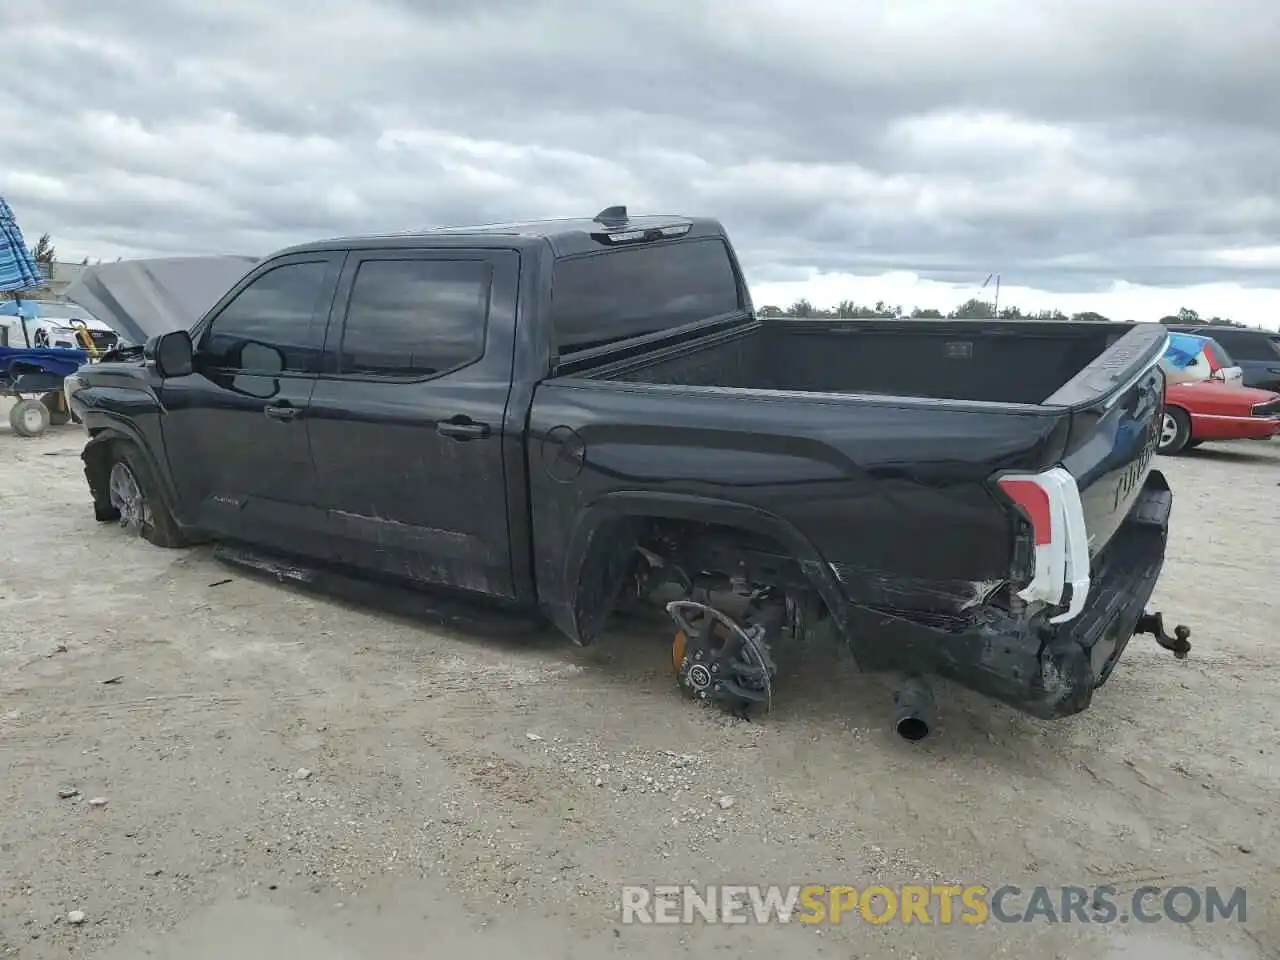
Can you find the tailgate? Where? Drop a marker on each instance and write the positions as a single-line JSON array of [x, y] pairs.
[[1114, 432], [1072, 511]]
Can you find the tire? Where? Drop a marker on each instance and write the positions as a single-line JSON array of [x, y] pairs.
[[1175, 432], [137, 500], [1192, 444], [57, 404], [29, 418]]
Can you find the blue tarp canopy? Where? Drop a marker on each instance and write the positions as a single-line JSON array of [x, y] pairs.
[[58, 361], [1183, 348], [20, 308], [18, 268]]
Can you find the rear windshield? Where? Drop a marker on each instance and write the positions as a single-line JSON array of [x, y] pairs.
[[625, 292]]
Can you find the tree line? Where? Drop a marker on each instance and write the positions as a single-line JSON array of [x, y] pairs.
[[972, 309]]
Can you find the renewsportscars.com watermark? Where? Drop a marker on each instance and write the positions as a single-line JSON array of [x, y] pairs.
[[971, 905]]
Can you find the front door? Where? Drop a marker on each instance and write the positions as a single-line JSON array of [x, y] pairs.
[[407, 430], [235, 429]]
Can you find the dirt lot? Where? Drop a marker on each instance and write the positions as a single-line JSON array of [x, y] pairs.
[[462, 794]]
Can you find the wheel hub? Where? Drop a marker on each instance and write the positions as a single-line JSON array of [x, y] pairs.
[[1168, 430], [126, 497], [698, 676], [719, 661], [31, 419]]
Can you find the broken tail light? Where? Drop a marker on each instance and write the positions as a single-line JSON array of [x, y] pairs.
[[1050, 504]]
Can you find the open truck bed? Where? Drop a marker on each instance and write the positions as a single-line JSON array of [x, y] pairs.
[[962, 488], [988, 361]]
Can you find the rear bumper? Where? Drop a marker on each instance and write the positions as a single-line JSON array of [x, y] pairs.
[[1042, 669], [1052, 671]]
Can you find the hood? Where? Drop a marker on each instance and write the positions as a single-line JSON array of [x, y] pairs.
[[140, 299]]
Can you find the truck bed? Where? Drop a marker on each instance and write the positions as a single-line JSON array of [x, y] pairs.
[[1022, 362], [876, 444]]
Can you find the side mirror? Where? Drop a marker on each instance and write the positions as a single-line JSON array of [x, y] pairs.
[[172, 353]]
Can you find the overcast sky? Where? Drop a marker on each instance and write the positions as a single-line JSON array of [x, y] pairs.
[[1099, 155]]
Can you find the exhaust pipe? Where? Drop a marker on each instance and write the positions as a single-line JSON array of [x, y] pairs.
[[913, 709]]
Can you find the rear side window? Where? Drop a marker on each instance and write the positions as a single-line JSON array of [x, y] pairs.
[[415, 318], [271, 325], [630, 291], [1221, 353], [1244, 344], [1249, 345]]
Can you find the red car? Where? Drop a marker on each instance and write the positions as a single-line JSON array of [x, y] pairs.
[[1199, 411]]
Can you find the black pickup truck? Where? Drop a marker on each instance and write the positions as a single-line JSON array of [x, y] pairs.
[[567, 417]]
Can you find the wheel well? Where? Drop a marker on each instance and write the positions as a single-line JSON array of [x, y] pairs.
[[631, 557], [98, 456]]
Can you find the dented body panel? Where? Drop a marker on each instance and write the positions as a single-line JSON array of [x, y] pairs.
[[778, 454]]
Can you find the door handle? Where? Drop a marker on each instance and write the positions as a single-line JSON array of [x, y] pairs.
[[282, 412], [462, 428]]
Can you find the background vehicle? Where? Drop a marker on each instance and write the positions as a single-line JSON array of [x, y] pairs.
[[1201, 411], [1190, 357], [561, 417], [1256, 352], [35, 378], [43, 332]]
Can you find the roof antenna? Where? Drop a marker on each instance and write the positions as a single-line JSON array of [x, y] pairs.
[[612, 215]]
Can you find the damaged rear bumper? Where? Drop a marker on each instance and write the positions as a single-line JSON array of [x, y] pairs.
[[1051, 671], [1043, 669]]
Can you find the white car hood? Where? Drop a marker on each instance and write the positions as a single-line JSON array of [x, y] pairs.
[[140, 299]]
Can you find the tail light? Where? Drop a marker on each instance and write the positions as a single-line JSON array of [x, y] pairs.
[[1050, 504]]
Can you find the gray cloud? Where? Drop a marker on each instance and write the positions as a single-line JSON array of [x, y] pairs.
[[1067, 147]]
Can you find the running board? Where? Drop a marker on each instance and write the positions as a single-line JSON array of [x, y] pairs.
[[381, 596]]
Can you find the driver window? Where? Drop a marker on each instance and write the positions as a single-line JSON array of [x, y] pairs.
[[271, 326]]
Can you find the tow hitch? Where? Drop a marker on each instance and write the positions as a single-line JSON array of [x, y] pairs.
[[1153, 623]]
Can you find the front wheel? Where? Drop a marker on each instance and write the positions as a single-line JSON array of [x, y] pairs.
[[1175, 432], [136, 499]]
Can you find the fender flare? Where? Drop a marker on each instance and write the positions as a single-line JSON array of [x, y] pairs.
[[582, 626], [116, 429]]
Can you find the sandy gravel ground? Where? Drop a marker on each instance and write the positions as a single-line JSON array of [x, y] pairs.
[[286, 776]]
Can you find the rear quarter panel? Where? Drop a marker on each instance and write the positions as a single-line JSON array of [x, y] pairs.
[[886, 490]]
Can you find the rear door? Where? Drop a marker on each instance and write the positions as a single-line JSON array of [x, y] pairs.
[[407, 421]]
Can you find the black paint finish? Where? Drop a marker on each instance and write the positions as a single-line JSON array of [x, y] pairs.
[[866, 451]]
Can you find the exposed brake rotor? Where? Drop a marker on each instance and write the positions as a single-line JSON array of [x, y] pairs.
[[720, 661]]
